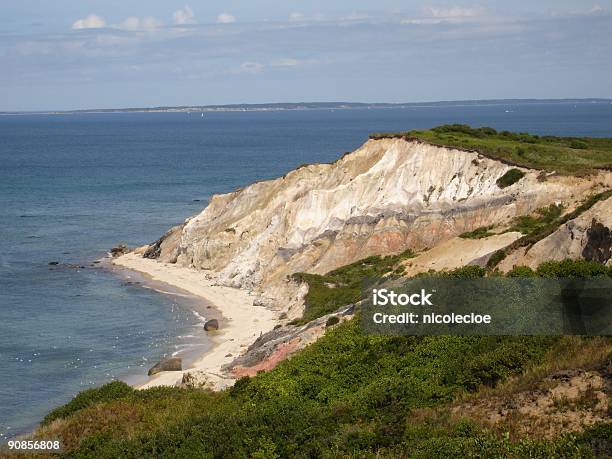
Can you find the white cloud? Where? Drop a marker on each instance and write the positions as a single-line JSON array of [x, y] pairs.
[[225, 18], [285, 62], [301, 17], [134, 23], [596, 9], [296, 16], [355, 16], [455, 12], [184, 16], [92, 21], [249, 67], [290, 62]]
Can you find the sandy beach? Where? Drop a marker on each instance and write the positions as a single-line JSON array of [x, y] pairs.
[[242, 321]]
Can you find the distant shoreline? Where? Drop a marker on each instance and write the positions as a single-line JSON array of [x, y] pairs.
[[299, 106]]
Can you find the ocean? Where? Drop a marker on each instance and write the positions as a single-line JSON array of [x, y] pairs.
[[73, 186]]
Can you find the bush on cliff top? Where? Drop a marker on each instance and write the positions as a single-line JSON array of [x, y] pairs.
[[510, 178]]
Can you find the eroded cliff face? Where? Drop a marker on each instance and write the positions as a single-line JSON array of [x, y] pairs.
[[386, 197], [587, 237]]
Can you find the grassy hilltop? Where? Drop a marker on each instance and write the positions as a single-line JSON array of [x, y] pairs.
[[570, 155]]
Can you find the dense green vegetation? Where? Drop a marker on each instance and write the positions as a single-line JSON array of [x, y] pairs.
[[543, 224], [569, 268], [510, 178], [478, 233], [574, 155], [328, 292], [90, 397], [544, 217], [347, 395]]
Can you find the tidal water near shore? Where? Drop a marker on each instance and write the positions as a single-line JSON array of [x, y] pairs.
[[72, 186]]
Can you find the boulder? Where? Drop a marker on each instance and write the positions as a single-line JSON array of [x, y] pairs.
[[212, 324], [119, 250], [172, 364]]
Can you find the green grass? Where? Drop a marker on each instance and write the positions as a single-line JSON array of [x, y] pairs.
[[478, 233], [347, 395], [570, 155], [343, 286], [544, 217]]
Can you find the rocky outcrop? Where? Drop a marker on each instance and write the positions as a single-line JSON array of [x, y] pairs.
[[598, 245], [282, 342], [586, 237], [166, 247], [119, 250]]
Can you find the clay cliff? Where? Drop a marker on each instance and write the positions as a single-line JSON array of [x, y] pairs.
[[387, 196]]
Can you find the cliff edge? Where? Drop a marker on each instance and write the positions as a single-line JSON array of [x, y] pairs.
[[389, 195]]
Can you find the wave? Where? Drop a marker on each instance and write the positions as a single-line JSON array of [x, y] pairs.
[[200, 317], [165, 292]]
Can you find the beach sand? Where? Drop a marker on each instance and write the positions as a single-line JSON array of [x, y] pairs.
[[242, 322]]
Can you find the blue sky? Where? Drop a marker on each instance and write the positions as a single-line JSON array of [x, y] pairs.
[[109, 53]]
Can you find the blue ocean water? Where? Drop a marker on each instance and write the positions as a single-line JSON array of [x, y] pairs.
[[72, 186]]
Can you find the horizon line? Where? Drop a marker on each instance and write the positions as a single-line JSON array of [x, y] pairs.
[[302, 105]]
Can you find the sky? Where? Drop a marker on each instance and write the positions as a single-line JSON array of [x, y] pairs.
[[69, 54]]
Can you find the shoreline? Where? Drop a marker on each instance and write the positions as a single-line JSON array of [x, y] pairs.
[[240, 325]]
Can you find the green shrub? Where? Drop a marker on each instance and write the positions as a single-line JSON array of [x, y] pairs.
[[573, 268], [111, 391], [588, 203], [502, 361], [496, 258], [510, 178], [521, 271], [598, 437], [543, 218], [478, 233], [578, 145], [333, 320]]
